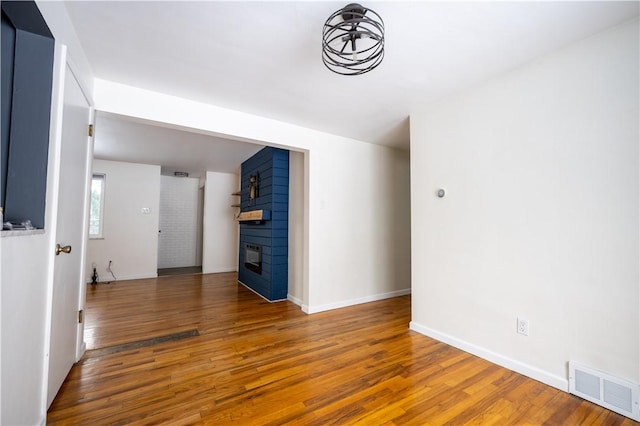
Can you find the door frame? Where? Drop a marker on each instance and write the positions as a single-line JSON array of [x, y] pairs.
[[81, 345]]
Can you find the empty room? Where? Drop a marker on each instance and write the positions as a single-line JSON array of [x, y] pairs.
[[233, 212]]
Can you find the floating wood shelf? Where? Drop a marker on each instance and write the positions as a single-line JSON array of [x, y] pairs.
[[235, 205], [238, 193], [253, 215]]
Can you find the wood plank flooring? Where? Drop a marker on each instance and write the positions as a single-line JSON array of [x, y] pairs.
[[260, 363]]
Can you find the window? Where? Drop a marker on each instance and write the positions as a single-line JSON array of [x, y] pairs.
[[97, 206]]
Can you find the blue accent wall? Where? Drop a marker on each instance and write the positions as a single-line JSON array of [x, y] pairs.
[[271, 168]]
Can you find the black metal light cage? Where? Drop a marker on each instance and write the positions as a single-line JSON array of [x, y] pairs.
[[353, 40]]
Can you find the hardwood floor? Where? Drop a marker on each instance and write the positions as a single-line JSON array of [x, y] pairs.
[[254, 362]]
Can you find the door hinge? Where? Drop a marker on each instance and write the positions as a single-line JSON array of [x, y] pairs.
[[80, 316], [90, 129]]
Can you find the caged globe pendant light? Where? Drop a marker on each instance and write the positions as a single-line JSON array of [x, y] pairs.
[[353, 40]]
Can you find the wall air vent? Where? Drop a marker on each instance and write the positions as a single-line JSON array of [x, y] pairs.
[[181, 174], [603, 389]]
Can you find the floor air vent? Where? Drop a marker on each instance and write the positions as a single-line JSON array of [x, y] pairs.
[[600, 388]]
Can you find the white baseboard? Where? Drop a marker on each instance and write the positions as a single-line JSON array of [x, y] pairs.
[[83, 349], [357, 301], [131, 277], [294, 300], [535, 373], [220, 270], [125, 277]]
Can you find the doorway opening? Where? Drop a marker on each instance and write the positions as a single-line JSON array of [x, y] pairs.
[[180, 218], [187, 270]]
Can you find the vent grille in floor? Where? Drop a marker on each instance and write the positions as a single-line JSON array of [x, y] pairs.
[[94, 353]]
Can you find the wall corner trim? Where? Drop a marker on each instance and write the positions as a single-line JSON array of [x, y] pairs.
[[357, 301], [496, 358], [294, 300]]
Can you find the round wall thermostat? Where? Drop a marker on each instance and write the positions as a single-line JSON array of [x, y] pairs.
[[441, 193]]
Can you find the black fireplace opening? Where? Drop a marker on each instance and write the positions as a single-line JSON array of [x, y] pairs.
[[253, 258]]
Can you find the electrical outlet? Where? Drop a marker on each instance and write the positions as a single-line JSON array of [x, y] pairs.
[[523, 326]]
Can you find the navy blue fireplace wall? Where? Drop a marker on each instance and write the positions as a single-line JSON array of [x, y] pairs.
[[265, 176]]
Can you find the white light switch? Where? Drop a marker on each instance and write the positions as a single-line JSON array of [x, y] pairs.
[[146, 210]]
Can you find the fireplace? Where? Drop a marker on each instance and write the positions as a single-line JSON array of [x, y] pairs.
[[253, 258], [263, 246]]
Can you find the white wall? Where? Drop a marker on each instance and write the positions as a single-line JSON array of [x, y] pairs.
[[220, 229], [178, 222], [55, 14], [296, 292], [199, 224], [26, 267], [357, 210], [130, 238], [361, 230], [540, 219]]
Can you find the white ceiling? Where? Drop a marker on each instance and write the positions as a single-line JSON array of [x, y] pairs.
[[264, 57], [121, 138]]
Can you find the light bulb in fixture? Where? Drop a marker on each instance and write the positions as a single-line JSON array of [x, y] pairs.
[[354, 49]]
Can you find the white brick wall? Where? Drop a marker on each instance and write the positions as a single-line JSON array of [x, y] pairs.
[[178, 222]]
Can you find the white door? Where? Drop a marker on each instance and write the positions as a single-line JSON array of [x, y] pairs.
[[71, 232]]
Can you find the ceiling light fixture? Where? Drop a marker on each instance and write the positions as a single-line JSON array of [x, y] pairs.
[[353, 40]]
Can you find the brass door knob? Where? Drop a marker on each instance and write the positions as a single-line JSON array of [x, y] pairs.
[[61, 249]]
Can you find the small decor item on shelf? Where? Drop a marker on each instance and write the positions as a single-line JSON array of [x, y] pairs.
[[253, 187], [17, 226]]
